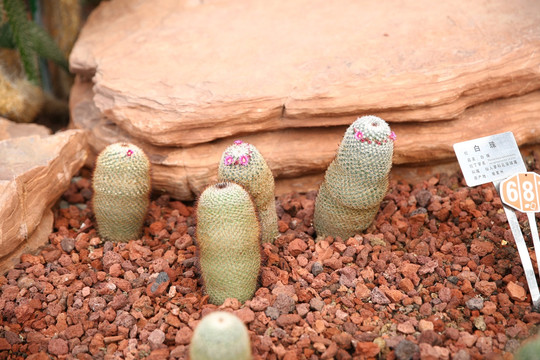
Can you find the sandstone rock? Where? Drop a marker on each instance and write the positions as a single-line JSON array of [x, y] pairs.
[[10, 129], [201, 77], [299, 157], [34, 172]]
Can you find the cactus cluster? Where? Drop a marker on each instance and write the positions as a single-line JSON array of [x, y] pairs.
[[356, 181], [121, 184], [243, 164], [228, 235], [220, 336]]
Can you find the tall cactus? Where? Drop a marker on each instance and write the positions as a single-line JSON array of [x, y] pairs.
[[243, 164], [356, 181], [121, 185], [228, 235], [220, 336]]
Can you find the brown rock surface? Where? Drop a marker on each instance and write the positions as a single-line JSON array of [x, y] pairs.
[[10, 129], [201, 77], [299, 157], [34, 172]]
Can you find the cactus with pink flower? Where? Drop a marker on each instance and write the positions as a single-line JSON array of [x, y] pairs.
[[356, 181], [243, 164]]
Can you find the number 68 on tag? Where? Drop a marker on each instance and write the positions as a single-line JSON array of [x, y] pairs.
[[521, 191]]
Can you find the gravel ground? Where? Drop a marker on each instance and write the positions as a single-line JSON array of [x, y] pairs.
[[436, 276]]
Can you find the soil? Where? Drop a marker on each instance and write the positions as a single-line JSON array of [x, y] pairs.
[[436, 276]]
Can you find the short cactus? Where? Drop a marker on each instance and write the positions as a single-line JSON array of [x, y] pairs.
[[243, 164], [220, 336], [356, 181], [122, 187], [529, 350], [228, 235]]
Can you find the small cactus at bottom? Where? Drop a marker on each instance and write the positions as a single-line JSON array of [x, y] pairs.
[[228, 235], [356, 181], [243, 164], [220, 336], [529, 350], [121, 184]]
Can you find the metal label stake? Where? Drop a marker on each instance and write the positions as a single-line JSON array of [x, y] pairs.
[[493, 159], [521, 246]]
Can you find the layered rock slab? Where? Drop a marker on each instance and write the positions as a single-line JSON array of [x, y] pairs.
[[10, 129], [299, 157], [34, 172], [180, 73]]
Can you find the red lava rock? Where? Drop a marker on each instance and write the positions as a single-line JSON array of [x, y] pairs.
[[58, 346], [406, 328], [378, 297], [433, 352], [515, 291], [74, 331], [429, 279], [410, 271], [362, 291], [159, 286], [4, 344], [23, 312], [485, 288], [406, 285], [245, 314], [288, 319], [481, 248], [367, 349], [297, 247], [183, 336]]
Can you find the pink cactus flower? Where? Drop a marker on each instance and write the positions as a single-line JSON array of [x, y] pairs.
[[358, 135], [129, 153], [228, 160], [238, 142], [392, 136], [244, 160]]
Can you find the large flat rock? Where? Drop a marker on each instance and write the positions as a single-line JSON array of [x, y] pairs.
[[298, 157], [10, 129], [34, 172], [179, 73]]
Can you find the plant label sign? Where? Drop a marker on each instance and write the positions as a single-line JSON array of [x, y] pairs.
[[521, 191], [497, 159], [489, 159]]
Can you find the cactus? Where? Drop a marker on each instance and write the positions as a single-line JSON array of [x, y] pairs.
[[356, 181], [243, 164], [529, 350], [220, 336], [228, 235], [121, 185]]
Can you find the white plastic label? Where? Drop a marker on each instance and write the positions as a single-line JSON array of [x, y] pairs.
[[489, 159]]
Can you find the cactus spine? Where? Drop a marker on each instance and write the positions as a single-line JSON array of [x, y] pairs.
[[243, 164], [356, 181], [121, 185], [220, 336], [228, 235]]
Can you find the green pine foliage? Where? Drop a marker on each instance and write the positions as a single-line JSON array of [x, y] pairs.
[[30, 40]]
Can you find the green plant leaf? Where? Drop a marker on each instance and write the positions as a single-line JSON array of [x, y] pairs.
[[44, 45], [19, 25], [6, 37]]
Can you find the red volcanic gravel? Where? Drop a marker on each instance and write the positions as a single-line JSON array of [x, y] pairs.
[[436, 276]]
